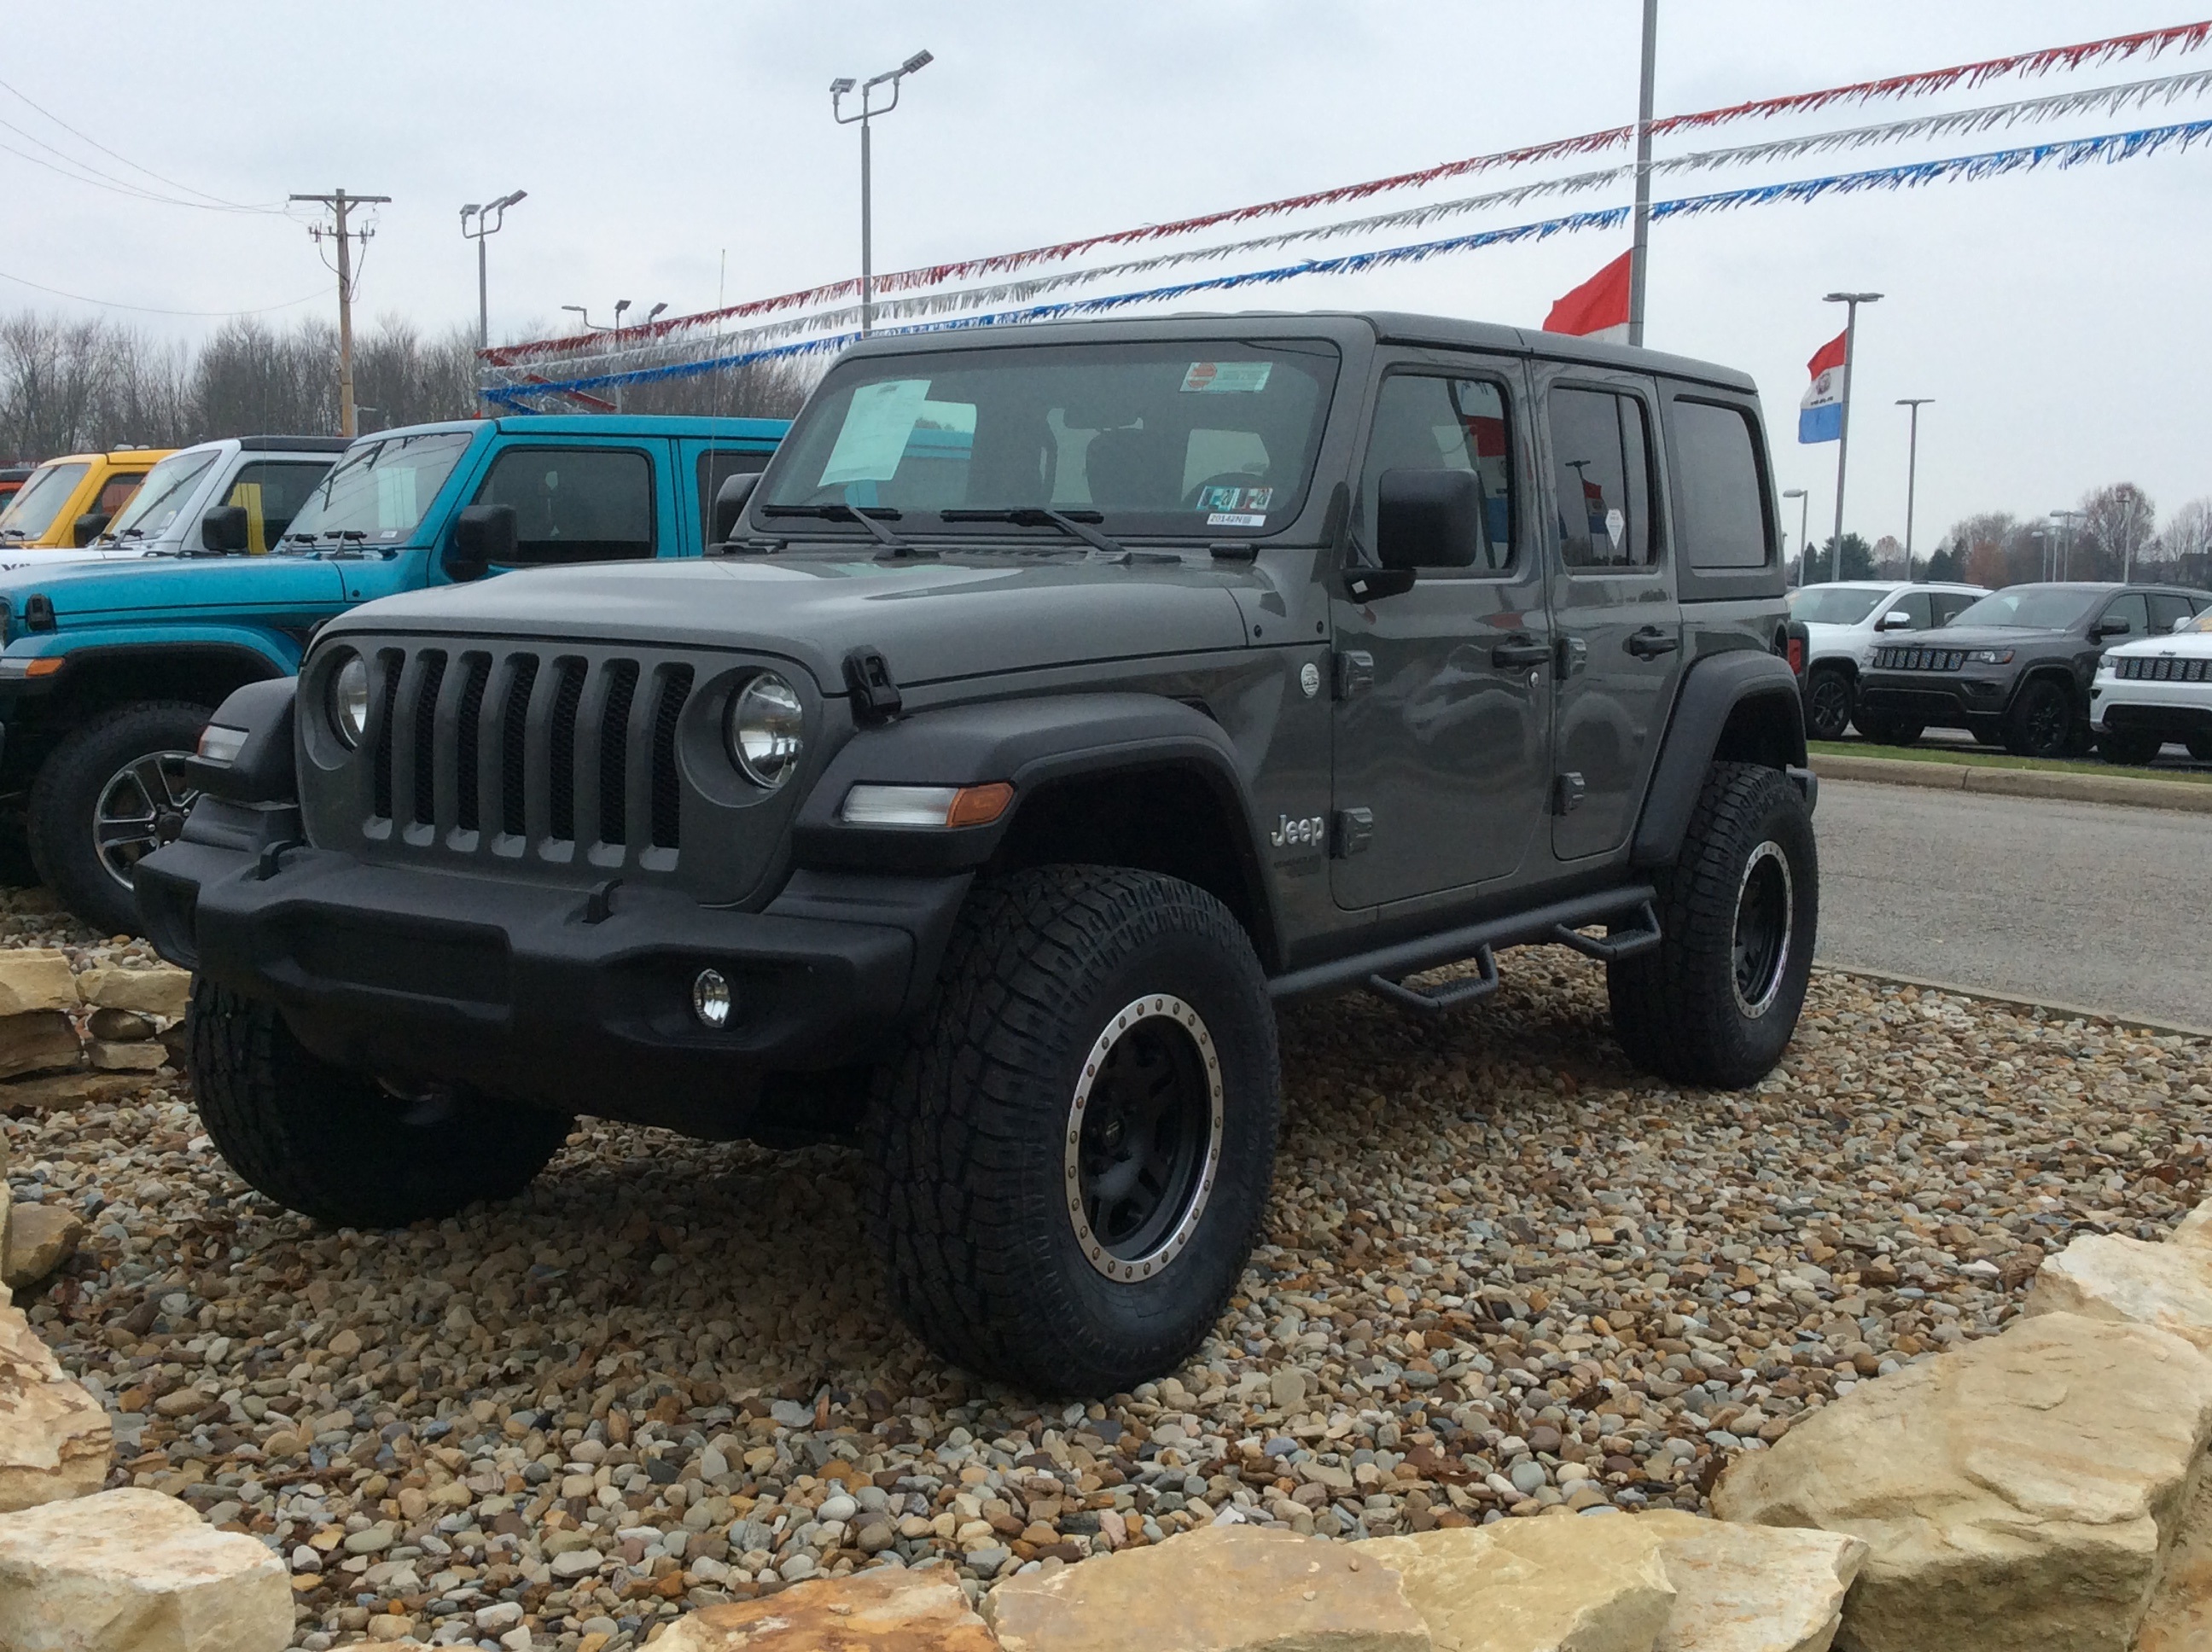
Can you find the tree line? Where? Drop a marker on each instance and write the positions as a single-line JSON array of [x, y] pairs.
[[2114, 532], [70, 386]]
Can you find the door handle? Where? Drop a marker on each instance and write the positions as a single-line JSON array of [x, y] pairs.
[[1518, 652], [1651, 642]]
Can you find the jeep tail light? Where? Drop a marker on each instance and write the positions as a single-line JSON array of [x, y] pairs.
[[926, 805]]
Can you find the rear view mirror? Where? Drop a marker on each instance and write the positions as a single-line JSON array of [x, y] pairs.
[[1896, 620], [730, 504], [1428, 518], [483, 535], [222, 529], [86, 528]]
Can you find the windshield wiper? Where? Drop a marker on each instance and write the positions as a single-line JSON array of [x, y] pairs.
[[1074, 524], [866, 515]]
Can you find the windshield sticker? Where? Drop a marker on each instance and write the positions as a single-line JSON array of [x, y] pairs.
[[1230, 499], [1227, 378], [395, 496], [1233, 520], [878, 424]]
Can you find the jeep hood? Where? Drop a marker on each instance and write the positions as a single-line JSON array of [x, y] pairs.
[[166, 588], [1979, 636], [932, 620]]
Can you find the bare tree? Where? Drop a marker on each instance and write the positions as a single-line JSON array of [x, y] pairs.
[[2116, 523]]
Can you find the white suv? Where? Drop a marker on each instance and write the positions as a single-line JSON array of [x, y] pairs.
[[2159, 690], [1843, 619]]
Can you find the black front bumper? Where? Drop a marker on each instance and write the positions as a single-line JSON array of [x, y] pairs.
[[1935, 699], [543, 993]]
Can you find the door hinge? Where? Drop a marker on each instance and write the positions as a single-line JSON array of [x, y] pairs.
[[1355, 672], [1567, 792], [1350, 832]]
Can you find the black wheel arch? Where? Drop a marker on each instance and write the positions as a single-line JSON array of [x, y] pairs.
[[113, 674], [1742, 706]]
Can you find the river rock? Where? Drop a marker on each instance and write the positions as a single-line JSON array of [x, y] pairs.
[[887, 1610], [54, 1437], [1219, 1588], [136, 1571], [2019, 1495], [36, 1240], [1534, 1585], [37, 1040], [1751, 1589], [106, 1057], [2108, 1276], [162, 991], [35, 978]]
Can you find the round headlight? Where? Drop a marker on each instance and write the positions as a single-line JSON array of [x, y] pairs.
[[767, 728], [349, 699]]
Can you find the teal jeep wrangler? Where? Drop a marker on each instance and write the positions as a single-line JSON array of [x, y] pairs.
[[110, 669]]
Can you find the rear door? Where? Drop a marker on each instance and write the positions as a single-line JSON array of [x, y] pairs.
[[1613, 601]]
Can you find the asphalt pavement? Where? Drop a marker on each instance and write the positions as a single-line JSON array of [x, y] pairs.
[[2081, 903]]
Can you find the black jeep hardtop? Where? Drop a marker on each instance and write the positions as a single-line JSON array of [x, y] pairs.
[[1057, 700]]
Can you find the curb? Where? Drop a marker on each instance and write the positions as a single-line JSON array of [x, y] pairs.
[[2018, 782], [2070, 1012]]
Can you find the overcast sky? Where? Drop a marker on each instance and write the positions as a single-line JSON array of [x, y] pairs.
[[2057, 319]]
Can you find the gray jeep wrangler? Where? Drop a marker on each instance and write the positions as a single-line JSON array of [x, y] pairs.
[[1058, 702]]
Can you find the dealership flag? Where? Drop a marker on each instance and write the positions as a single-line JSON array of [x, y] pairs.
[[1598, 308], [1821, 414]]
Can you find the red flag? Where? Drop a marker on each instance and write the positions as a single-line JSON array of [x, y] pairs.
[[1830, 354], [1597, 308]]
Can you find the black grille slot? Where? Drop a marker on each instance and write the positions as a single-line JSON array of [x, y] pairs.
[[512, 770], [561, 735], [667, 784], [426, 736], [466, 744], [614, 751], [392, 662]]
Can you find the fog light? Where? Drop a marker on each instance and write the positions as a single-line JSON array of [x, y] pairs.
[[710, 999]]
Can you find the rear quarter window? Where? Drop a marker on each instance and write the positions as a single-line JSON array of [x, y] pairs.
[[1720, 490]]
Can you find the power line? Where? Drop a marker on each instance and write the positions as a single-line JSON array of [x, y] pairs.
[[215, 202], [150, 309], [340, 203]]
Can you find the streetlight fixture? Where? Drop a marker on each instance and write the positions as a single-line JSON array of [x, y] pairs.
[[488, 218], [1911, 472], [1804, 510], [1851, 302], [839, 90], [2066, 519]]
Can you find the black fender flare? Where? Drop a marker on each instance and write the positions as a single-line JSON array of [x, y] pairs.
[[1712, 690]]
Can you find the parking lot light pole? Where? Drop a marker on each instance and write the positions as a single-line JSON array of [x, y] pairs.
[[2066, 519], [839, 90], [1850, 301], [1804, 513], [488, 218], [1912, 472]]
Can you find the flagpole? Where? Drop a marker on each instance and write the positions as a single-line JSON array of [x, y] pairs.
[[1643, 176], [1850, 301]]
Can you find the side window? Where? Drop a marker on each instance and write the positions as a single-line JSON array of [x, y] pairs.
[[1719, 493], [2165, 609], [575, 504], [272, 492], [1426, 423], [2130, 607], [1600, 453], [1949, 604], [716, 466], [115, 492], [1916, 603]]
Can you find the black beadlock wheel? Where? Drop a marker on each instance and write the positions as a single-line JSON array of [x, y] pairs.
[[1828, 704], [2041, 721], [341, 1147], [108, 795], [1716, 1001], [1071, 1157], [2135, 748]]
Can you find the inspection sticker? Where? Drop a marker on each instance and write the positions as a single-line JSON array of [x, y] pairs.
[[1229, 499], [1227, 378], [1235, 519]]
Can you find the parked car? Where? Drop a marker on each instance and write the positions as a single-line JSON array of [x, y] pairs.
[[235, 496], [1844, 620], [1067, 697], [66, 501], [111, 669], [2015, 669], [2159, 690]]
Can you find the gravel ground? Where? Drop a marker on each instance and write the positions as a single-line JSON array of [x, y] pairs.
[[1503, 1274]]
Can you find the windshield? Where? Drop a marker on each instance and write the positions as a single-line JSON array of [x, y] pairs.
[[1818, 605], [41, 500], [167, 487], [2030, 607], [2203, 624], [1203, 438], [379, 491]]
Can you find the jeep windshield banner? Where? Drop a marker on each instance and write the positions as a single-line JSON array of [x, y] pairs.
[[1169, 439]]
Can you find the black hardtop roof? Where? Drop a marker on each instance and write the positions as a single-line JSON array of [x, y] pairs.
[[1384, 327], [294, 444]]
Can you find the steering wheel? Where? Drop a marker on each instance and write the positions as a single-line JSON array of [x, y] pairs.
[[1239, 479]]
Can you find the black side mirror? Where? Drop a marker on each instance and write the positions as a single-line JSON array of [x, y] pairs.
[[2112, 625], [483, 535], [223, 531], [86, 529], [1428, 518], [730, 504]]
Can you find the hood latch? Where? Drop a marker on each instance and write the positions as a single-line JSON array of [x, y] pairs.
[[875, 693]]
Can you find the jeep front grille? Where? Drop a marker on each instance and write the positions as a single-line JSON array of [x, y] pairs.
[[2163, 669], [1919, 660], [506, 752]]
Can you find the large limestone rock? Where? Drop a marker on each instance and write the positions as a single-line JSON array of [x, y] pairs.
[[162, 991], [886, 1610], [35, 978], [2180, 1615], [2018, 1495], [1534, 1585], [1220, 1589], [2194, 1229], [34, 1241], [136, 1571], [37, 1040], [54, 1437], [1752, 1589], [2108, 1276]]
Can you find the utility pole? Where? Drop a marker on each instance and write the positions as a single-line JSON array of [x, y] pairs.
[[1643, 178], [340, 203], [1911, 472], [1850, 302]]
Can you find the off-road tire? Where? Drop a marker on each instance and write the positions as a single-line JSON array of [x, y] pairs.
[[1828, 703], [969, 1132], [67, 793], [2200, 747], [2134, 748], [336, 1145], [2041, 723], [1677, 1008], [1887, 730]]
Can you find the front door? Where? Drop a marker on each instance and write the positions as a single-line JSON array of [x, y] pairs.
[[1442, 705], [1613, 601]]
